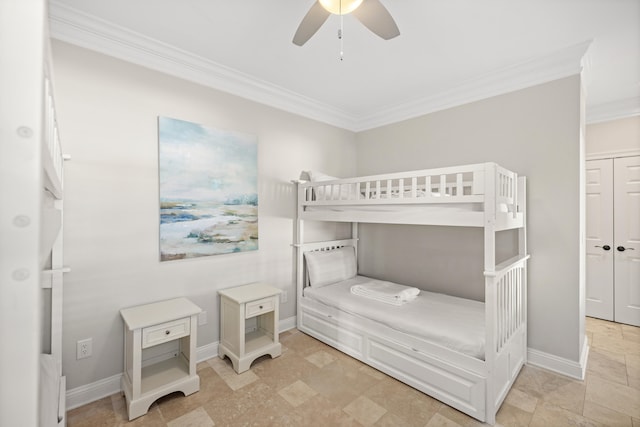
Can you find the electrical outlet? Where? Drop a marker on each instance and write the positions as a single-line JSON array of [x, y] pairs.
[[283, 297], [84, 348], [202, 318]]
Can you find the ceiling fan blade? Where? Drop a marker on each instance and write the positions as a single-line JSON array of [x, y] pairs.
[[311, 23], [377, 18]]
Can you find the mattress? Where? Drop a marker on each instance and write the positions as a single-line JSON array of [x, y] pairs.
[[452, 322], [393, 207]]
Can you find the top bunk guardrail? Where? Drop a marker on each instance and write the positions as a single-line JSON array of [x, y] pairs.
[[52, 157], [472, 189]]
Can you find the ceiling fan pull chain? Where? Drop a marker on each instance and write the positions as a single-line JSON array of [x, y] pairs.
[[341, 40]]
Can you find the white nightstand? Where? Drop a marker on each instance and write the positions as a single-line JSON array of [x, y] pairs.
[[256, 305], [159, 352]]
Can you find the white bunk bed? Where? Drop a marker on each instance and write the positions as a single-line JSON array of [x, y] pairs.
[[481, 195], [52, 383]]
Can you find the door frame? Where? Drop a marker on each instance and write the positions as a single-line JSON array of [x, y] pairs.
[[612, 154]]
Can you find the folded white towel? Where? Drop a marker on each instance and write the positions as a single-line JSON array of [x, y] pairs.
[[387, 292]]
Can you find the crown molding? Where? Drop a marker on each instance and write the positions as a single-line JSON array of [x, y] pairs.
[[70, 25], [75, 27], [615, 110], [562, 63]]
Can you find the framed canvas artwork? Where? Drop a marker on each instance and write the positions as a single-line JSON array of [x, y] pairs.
[[208, 190]]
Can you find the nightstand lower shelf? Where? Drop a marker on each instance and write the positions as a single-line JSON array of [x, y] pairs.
[[257, 341], [159, 380], [164, 373]]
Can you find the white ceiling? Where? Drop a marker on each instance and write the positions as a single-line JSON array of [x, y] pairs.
[[447, 50]]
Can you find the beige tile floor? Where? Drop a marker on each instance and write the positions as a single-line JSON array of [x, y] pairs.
[[312, 384]]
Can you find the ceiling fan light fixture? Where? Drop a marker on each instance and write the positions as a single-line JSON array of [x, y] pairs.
[[340, 7]]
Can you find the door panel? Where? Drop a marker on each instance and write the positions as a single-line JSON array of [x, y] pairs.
[[599, 233], [627, 237]]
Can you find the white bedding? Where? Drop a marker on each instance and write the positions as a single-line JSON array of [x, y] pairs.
[[387, 292], [455, 323]]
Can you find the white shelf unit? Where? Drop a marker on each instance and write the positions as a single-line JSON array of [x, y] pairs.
[[33, 390], [148, 374], [255, 302]]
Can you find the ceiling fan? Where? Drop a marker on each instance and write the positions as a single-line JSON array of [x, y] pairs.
[[371, 13]]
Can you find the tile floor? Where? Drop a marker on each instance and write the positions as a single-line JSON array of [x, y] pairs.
[[312, 384]]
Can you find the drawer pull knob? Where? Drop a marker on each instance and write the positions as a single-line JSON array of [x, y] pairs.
[[167, 332], [260, 307]]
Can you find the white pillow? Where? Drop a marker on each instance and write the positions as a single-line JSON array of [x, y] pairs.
[[343, 190], [315, 176], [328, 267]]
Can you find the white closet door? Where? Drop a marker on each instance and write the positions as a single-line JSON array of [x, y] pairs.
[[599, 232], [627, 240]]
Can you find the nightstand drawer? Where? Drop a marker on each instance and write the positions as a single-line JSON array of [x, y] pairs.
[[164, 332], [256, 308]]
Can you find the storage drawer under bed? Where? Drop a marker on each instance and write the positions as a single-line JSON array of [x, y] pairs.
[[328, 329], [453, 385]]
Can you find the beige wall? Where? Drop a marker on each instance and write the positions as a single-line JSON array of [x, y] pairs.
[[108, 111], [108, 115], [616, 136], [536, 132]]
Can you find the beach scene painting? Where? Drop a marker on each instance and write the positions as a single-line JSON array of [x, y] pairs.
[[208, 190]]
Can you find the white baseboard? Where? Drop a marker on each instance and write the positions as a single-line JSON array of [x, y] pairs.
[[288, 323], [558, 364], [207, 352], [91, 392], [584, 357], [88, 393]]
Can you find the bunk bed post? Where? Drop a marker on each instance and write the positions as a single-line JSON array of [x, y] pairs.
[[522, 251], [354, 236], [491, 190], [299, 239], [58, 270]]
